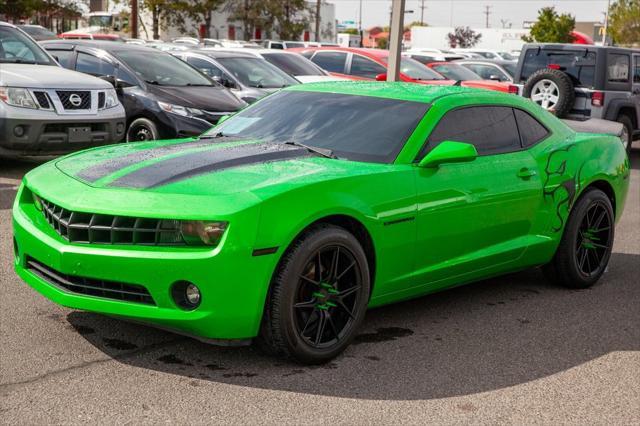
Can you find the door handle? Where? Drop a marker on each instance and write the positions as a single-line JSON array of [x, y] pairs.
[[526, 173]]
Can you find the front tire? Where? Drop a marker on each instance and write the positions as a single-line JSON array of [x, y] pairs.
[[585, 247], [318, 296], [142, 129]]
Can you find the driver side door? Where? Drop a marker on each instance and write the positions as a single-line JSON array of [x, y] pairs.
[[475, 216]]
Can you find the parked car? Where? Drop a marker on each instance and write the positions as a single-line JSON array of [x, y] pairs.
[[278, 44], [371, 64], [247, 76], [163, 96], [288, 220], [498, 70], [497, 55], [582, 82], [293, 64], [426, 58], [38, 32], [46, 110], [457, 72], [191, 41], [91, 36]]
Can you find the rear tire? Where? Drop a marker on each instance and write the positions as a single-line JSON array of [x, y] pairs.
[[627, 137], [585, 247], [318, 297], [142, 129]]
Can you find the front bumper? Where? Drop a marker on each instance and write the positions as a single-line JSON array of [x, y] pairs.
[[33, 133], [233, 283]]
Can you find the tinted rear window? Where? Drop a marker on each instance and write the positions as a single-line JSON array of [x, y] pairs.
[[578, 64], [531, 131], [292, 64]]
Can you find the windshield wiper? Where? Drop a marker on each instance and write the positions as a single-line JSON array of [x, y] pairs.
[[325, 152], [154, 82]]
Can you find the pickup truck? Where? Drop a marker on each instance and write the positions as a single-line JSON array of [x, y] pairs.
[[47, 110]]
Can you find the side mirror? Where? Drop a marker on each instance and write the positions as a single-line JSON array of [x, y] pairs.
[[494, 77], [449, 152], [381, 77]]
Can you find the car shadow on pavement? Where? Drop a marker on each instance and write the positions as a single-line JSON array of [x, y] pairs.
[[480, 337]]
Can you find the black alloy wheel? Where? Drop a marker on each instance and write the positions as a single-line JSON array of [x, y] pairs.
[[328, 290]]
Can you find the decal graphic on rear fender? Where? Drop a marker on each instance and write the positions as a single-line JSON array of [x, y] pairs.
[[562, 183]]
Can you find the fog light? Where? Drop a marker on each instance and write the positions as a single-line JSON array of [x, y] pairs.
[[120, 128], [193, 294], [186, 295], [18, 131]]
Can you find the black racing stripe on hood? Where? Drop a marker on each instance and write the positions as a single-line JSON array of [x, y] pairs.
[[187, 166], [104, 169]]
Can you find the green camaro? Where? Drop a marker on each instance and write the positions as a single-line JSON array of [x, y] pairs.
[[287, 220]]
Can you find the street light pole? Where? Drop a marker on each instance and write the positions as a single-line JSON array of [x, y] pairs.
[[396, 33]]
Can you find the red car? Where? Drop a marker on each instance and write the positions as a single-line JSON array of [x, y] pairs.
[[457, 72], [371, 64], [71, 35]]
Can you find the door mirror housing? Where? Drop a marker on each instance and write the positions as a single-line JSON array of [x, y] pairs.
[[449, 152], [381, 77], [494, 77]]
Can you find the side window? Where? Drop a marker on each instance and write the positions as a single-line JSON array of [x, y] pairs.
[[636, 72], [618, 68], [63, 56], [330, 61], [363, 67], [205, 67], [276, 46], [491, 129], [89, 64], [531, 131], [486, 72]]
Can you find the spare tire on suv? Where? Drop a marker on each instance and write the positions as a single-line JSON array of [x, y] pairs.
[[552, 90]]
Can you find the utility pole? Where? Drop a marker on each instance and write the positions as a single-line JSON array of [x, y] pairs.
[[422, 8], [360, 23], [606, 24], [487, 12], [395, 39], [318, 3], [134, 18]]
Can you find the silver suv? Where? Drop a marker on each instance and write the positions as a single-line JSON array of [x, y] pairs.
[[46, 110], [582, 82]]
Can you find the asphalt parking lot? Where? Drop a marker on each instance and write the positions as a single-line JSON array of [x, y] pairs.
[[508, 350]]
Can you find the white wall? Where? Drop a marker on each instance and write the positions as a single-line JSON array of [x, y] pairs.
[[492, 38]]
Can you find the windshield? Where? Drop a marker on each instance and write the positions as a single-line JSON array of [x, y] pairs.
[[38, 33], [162, 69], [255, 72], [416, 70], [507, 56], [16, 47], [359, 128], [456, 72], [100, 21], [293, 64]]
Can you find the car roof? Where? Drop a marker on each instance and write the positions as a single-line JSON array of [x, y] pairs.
[[213, 53], [108, 46], [396, 90], [372, 53]]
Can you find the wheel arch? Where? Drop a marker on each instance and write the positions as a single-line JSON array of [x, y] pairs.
[[604, 186]]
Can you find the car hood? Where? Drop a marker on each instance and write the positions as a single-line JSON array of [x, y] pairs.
[[214, 98], [47, 77], [206, 167]]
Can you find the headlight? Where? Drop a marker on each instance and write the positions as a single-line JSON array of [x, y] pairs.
[[17, 96], [110, 99], [180, 110], [202, 232]]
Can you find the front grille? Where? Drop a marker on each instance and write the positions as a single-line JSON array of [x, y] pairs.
[[89, 286], [67, 97], [43, 100], [101, 100], [90, 228]]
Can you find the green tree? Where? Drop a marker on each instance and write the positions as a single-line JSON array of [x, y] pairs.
[[252, 14], [382, 43], [551, 27], [624, 22], [463, 37], [161, 11], [353, 31], [199, 11], [291, 17]]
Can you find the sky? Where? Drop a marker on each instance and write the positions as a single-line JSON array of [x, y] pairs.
[[468, 12]]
